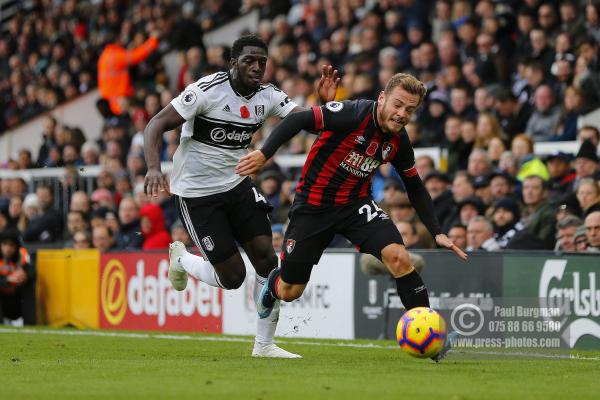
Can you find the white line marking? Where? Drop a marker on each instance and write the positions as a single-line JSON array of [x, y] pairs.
[[532, 355], [130, 335]]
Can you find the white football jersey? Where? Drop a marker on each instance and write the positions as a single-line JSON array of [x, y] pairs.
[[219, 126]]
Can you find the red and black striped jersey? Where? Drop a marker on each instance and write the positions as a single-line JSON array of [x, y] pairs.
[[349, 148]]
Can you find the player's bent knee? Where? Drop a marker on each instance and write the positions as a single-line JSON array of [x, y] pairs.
[[397, 260], [290, 292], [261, 254], [233, 280]]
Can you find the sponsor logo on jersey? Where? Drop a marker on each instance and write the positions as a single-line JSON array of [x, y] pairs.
[[334, 106], [386, 150], [359, 164], [188, 98], [230, 134], [289, 245], [208, 244], [219, 135], [259, 110], [226, 108]]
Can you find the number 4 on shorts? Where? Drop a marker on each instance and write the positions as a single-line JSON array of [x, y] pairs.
[[259, 197]]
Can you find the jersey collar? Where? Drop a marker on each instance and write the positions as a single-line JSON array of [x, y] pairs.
[[374, 115], [247, 97]]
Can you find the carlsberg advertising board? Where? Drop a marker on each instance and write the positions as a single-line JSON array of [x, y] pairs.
[[570, 283]]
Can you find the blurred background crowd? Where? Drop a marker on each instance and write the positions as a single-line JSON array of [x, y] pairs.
[[502, 76]]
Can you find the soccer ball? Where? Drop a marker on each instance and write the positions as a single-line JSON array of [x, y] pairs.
[[421, 332]]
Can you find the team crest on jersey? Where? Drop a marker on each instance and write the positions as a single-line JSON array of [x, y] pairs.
[[289, 245], [334, 106], [208, 243], [372, 148], [189, 98], [386, 150], [259, 110]]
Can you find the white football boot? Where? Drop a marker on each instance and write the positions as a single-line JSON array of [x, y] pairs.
[[271, 351], [177, 274]]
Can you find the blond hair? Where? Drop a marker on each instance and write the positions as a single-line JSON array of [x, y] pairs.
[[407, 82], [484, 142]]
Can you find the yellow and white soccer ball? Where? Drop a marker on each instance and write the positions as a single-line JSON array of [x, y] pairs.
[[421, 332]]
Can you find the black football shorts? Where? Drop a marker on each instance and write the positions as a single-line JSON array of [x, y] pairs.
[[216, 222], [312, 228]]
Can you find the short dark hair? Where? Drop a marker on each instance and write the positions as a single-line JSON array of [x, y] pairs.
[[45, 186], [536, 65], [80, 213], [459, 226], [465, 174], [569, 3], [545, 184], [591, 128], [589, 40], [463, 88], [247, 40], [505, 95]]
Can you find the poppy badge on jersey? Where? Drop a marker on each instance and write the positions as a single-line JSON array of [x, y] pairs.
[[244, 112]]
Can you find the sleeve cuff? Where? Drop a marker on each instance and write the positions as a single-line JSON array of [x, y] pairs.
[[318, 114]]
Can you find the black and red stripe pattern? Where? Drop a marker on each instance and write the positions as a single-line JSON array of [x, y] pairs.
[[341, 162]]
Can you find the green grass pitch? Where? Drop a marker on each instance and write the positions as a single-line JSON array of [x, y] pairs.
[[70, 364]]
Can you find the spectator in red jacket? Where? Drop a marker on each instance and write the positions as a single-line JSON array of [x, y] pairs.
[[155, 233]]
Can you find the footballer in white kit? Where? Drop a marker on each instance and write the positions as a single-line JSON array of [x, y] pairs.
[[219, 126], [220, 113]]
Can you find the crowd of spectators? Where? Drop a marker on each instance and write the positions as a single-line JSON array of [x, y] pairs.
[[501, 77], [49, 53]]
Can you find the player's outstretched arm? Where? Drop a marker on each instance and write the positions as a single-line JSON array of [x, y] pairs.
[[288, 128], [166, 119], [422, 203]]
